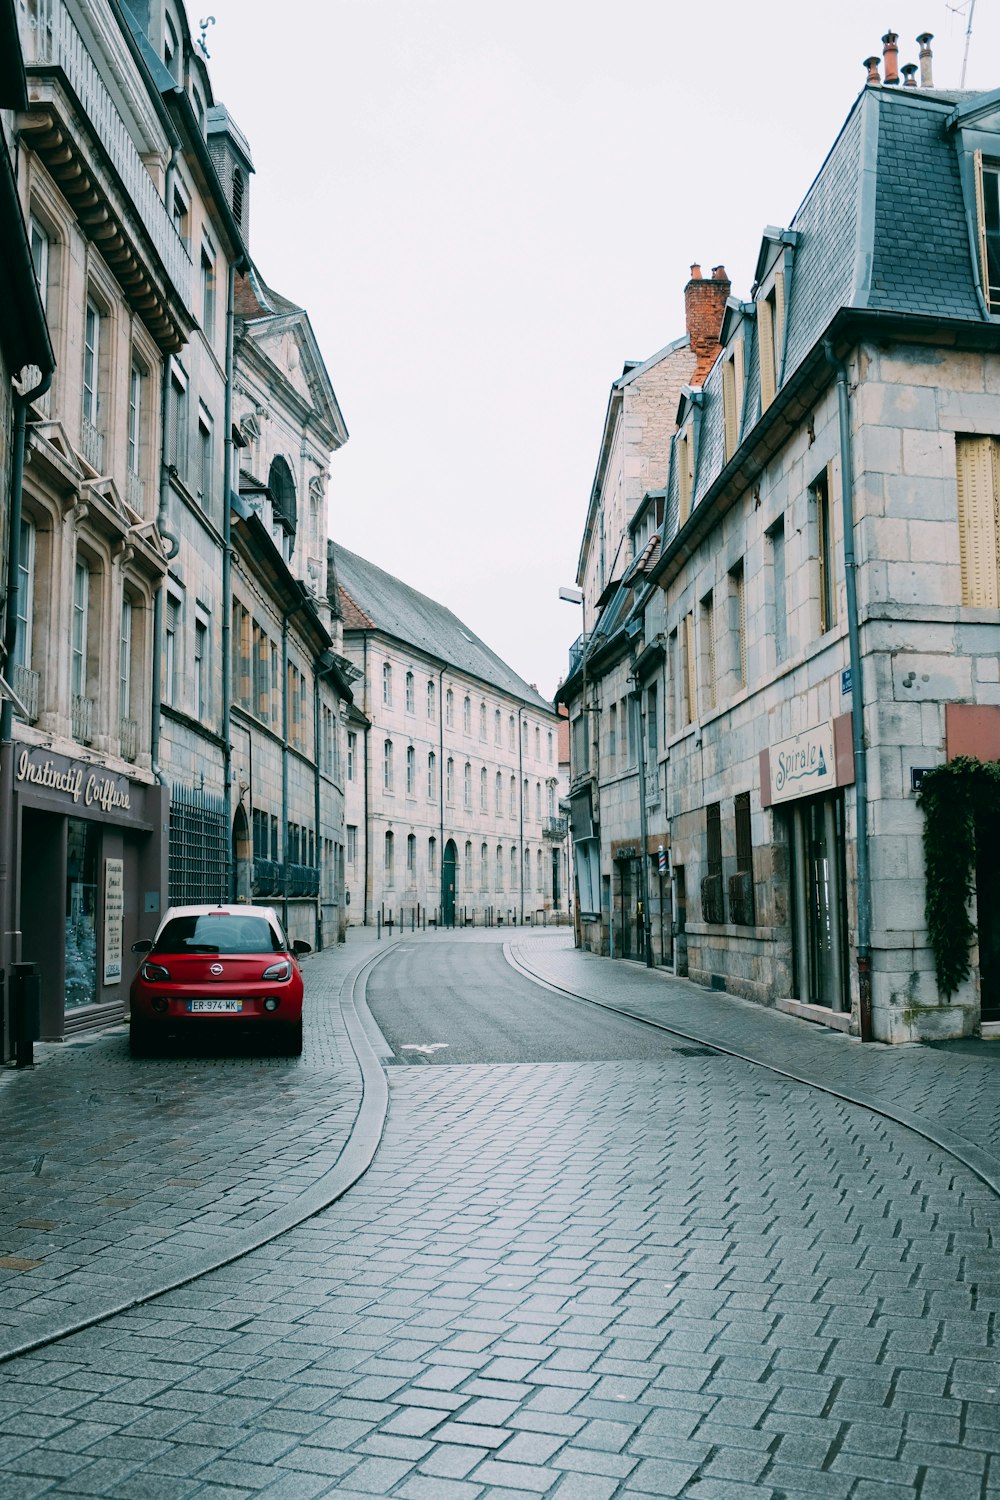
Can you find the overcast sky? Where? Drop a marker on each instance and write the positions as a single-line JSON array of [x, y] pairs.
[[487, 208]]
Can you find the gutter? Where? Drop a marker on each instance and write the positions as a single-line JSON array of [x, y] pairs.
[[864, 943]]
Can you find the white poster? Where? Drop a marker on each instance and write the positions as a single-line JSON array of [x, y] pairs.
[[114, 911]]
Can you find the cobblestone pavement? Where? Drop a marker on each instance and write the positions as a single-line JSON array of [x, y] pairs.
[[951, 1088], [678, 1277], [120, 1176]]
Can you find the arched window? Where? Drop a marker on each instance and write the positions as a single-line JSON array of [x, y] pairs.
[[468, 783], [513, 867], [483, 804], [538, 743], [552, 799], [498, 793], [550, 747], [496, 727], [538, 801], [484, 867], [513, 796], [467, 714], [389, 870], [411, 856], [432, 701], [409, 693], [387, 766], [524, 735], [499, 867], [468, 860], [449, 783], [510, 731], [387, 684], [432, 781], [449, 709], [541, 869], [283, 504], [482, 721], [411, 771], [432, 848], [527, 869]]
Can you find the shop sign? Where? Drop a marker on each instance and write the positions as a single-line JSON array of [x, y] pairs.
[[114, 914], [81, 785], [803, 765]]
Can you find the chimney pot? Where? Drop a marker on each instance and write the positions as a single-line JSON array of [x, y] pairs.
[[704, 309], [890, 56], [871, 63], [909, 72], [926, 58]]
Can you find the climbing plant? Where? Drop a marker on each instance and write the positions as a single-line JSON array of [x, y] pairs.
[[954, 798]]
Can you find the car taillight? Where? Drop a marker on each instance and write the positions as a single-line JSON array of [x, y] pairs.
[[154, 972], [282, 970]]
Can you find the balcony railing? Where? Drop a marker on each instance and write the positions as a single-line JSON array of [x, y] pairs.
[[128, 733], [554, 828], [26, 685], [50, 38], [135, 492], [92, 445], [83, 719], [576, 651]]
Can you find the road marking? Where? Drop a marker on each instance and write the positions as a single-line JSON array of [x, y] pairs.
[[426, 1049]]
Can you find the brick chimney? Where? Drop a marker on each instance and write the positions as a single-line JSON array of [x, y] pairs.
[[704, 309]]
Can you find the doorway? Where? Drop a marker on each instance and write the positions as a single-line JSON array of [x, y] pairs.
[[631, 922], [242, 855], [83, 842], [449, 881], [819, 918]]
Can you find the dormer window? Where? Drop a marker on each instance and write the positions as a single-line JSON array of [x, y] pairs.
[[771, 337], [171, 50], [685, 473], [988, 226], [237, 195]]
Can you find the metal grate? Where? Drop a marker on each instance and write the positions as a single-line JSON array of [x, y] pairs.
[[198, 840]]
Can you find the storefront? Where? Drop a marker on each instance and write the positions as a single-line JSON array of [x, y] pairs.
[[801, 778], [85, 866], [630, 892]]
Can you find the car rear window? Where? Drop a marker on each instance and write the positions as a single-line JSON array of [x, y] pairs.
[[222, 933]]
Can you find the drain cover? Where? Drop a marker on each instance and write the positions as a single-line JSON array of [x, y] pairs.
[[695, 1051]]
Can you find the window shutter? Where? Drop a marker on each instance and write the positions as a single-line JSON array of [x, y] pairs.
[[729, 406], [765, 341], [779, 324], [977, 520], [984, 275], [738, 372], [683, 478], [689, 667]]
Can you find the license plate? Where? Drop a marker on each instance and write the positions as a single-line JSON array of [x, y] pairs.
[[214, 1007]]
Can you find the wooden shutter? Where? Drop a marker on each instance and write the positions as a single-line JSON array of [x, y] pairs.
[[689, 668], [779, 325], [984, 272], [683, 478], [729, 406], [738, 373], [977, 520], [765, 342]]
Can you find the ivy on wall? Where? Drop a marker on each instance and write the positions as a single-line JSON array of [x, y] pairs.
[[954, 798]]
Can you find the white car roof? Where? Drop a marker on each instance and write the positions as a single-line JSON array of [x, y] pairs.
[[226, 909]]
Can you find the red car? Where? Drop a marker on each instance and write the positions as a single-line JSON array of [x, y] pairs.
[[228, 964]]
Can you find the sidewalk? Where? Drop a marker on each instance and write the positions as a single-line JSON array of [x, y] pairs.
[[122, 1177], [949, 1091]]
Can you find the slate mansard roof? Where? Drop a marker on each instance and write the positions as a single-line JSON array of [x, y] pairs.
[[885, 233], [372, 599]]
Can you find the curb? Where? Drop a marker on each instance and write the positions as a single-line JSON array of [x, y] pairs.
[[981, 1163], [355, 1158]]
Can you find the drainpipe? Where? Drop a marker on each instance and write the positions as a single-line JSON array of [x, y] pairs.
[[169, 537], [227, 583], [864, 942]]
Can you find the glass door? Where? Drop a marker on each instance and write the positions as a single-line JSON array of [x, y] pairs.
[[83, 842], [818, 901]]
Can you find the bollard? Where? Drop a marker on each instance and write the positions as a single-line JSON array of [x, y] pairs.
[[378, 923], [25, 1012]]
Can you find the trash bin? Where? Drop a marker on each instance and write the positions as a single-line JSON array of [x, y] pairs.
[[25, 1012]]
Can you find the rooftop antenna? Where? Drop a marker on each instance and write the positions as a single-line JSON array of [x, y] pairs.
[[959, 10]]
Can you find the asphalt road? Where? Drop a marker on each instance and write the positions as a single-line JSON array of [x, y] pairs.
[[463, 1003]]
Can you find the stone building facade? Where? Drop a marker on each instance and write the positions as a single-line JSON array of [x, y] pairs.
[[453, 782], [119, 788], [820, 626]]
